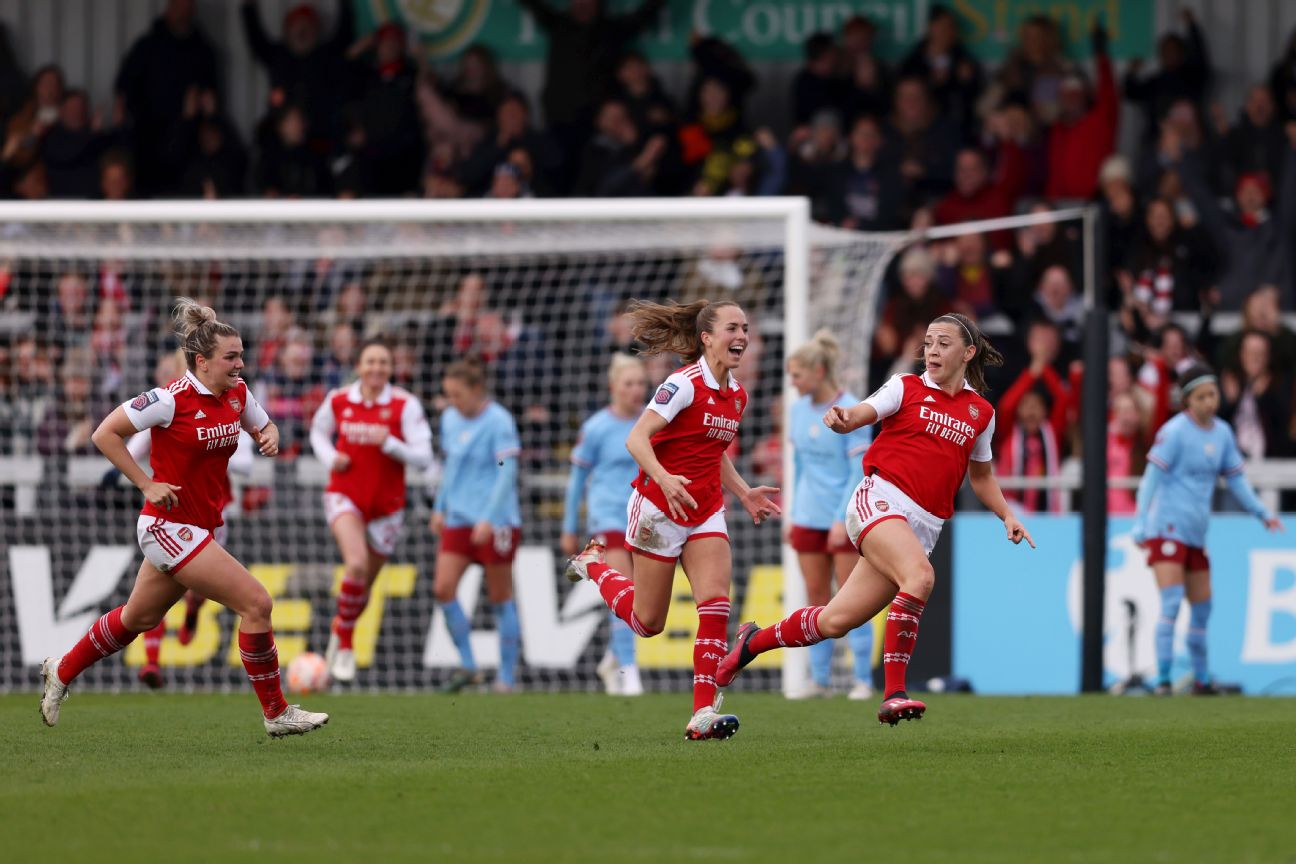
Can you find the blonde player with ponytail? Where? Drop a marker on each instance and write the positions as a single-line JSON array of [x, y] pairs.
[[825, 468]]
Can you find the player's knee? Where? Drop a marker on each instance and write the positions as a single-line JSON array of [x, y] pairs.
[[919, 580], [443, 593], [140, 621], [833, 625], [355, 571], [651, 624], [257, 607]]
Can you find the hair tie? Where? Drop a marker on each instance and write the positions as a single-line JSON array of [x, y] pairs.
[[1199, 380]]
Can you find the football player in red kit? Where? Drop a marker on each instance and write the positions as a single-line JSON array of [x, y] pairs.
[[936, 428], [195, 423], [677, 509], [366, 434]]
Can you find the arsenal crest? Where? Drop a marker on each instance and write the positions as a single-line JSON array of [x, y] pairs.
[[882, 506], [185, 534], [738, 405], [974, 412], [236, 405]]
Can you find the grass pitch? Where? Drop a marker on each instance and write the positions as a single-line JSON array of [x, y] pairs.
[[557, 778]]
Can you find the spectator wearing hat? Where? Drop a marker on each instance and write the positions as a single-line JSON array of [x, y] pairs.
[[305, 70], [1084, 134], [388, 114]]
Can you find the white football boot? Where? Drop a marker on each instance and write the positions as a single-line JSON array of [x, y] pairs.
[[861, 692], [709, 724], [631, 684], [341, 661], [607, 670], [578, 564], [55, 691], [294, 721]]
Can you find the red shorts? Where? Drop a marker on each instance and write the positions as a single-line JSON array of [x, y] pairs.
[[1161, 549], [500, 549], [611, 539], [814, 541]]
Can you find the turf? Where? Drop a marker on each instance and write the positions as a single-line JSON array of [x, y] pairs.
[[550, 778]]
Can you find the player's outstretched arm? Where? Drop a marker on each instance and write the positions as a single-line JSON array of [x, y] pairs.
[[847, 420], [986, 487], [110, 438], [755, 500]]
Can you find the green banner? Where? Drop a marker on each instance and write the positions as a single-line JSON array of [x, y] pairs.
[[768, 29]]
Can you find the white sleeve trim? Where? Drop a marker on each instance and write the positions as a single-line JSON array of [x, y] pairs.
[[677, 401], [140, 446], [981, 449], [416, 447], [888, 398], [322, 431], [254, 417], [159, 411]]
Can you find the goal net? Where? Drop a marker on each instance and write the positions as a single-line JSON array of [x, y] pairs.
[[536, 289]]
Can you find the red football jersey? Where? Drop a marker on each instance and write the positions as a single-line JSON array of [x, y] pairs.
[[194, 433], [927, 438], [703, 422], [381, 437]]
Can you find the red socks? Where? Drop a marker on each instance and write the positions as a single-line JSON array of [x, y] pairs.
[[799, 629], [618, 594], [261, 660], [153, 643], [898, 643], [352, 599], [709, 648], [106, 637]]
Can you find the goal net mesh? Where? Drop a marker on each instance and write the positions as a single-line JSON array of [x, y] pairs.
[[84, 324]]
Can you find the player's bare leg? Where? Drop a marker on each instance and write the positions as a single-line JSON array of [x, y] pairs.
[[450, 567], [360, 567], [499, 590], [217, 575]]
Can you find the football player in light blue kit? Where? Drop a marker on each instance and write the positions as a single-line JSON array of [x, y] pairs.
[[1191, 451], [826, 469], [477, 516], [602, 461]]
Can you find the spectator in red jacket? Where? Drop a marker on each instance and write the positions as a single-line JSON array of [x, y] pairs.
[[1083, 136], [979, 195]]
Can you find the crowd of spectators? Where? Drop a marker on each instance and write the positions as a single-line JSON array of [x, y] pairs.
[[1200, 218]]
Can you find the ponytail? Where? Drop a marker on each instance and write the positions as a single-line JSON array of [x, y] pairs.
[[671, 328], [986, 354], [197, 329], [823, 351]]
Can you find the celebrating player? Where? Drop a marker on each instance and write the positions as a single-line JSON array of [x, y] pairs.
[[477, 516], [826, 470], [140, 445], [933, 424], [602, 460], [677, 510], [1174, 501], [366, 434], [195, 424]]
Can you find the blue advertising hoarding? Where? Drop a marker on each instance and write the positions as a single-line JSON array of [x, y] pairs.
[[1017, 611]]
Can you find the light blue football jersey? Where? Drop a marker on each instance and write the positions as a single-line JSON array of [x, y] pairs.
[[826, 465], [473, 448], [602, 451], [1193, 459]]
